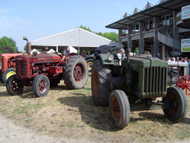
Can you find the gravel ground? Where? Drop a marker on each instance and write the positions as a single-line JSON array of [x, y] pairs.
[[10, 133]]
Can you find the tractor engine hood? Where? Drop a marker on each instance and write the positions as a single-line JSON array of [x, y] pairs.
[[40, 58], [147, 62]]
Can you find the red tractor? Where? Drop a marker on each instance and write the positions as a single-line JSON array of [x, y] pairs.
[[180, 76], [7, 65], [44, 70]]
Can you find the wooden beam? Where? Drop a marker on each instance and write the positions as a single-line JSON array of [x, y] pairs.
[[155, 49], [129, 38], [141, 40], [170, 9]]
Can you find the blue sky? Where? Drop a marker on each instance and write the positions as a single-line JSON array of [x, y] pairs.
[[37, 18]]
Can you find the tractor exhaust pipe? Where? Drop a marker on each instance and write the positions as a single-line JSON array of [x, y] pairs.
[[28, 46]]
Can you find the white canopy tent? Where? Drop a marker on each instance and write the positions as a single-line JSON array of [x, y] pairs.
[[75, 37]]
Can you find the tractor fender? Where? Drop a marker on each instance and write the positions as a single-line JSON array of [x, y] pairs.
[[10, 72]]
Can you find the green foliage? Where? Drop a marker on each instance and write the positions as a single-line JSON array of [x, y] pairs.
[[85, 28], [148, 5], [109, 35], [7, 45], [125, 15], [136, 10]]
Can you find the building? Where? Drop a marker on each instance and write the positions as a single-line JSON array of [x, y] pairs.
[[78, 38], [163, 29]]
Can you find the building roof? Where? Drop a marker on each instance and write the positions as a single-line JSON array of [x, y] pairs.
[[157, 10], [75, 37]]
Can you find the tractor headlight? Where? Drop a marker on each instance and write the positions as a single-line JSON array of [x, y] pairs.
[[111, 58]]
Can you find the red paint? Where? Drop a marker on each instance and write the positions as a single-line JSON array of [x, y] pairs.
[[7, 61], [78, 72], [184, 83], [51, 65]]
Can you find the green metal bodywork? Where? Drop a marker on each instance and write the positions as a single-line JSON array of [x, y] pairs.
[[105, 59], [144, 76], [138, 65]]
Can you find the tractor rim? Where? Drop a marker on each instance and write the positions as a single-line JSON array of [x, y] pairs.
[[78, 72], [115, 108], [14, 85], [42, 86]]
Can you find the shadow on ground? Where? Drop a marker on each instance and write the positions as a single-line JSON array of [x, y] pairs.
[[186, 121], [3, 94], [59, 87], [96, 117], [99, 117], [28, 93], [157, 117]]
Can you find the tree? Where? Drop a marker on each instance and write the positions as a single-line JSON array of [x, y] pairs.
[[125, 15], [85, 28], [148, 5], [7, 45], [110, 35], [135, 11]]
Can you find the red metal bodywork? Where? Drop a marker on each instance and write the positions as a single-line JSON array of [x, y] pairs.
[[7, 61], [28, 66], [184, 83]]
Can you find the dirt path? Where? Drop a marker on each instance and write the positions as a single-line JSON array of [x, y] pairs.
[[10, 133]]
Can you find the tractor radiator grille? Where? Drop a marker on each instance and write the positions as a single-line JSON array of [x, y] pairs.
[[21, 68], [155, 80]]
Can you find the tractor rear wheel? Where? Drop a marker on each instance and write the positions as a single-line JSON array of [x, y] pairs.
[[10, 72], [174, 104], [120, 108], [101, 84], [76, 72], [14, 85], [41, 85]]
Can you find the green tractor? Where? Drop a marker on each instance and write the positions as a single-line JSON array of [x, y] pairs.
[[122, 82]]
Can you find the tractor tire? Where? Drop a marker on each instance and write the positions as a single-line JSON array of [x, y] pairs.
[[120, 108], [41, 85], [174, 104], [1, 77], [10, 72], [148, 104], [76, 72], [100, 84], [14, 85]]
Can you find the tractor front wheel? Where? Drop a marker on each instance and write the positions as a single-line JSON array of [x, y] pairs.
[[174, 104], [120, 108], [41, 85], [14, 85]]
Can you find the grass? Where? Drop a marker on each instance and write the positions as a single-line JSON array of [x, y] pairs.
[[71, 114]]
